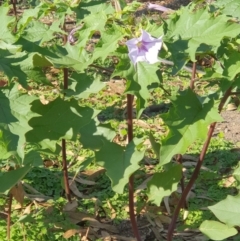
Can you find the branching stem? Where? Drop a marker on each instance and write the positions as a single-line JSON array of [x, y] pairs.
[[197, 169]]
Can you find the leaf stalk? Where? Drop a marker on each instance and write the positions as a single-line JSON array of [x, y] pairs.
[[196, 170]]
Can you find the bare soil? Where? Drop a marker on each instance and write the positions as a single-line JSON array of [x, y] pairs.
[[230, 127]]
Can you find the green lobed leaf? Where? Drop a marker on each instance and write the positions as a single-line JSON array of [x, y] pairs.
[[188, 120], [163, 184], [6, 20], [21, 110], [33, 158], [91, 7], [232, 65], [81, 85], [41, 33], [199, 27], [108, 42], [139, 79], [216, 230], [8, 143], [58, 119], [236, 174], [10, 65], [9, 179], [120, 162], [91, 26], [94, 136], [227, 210], [229, 7], [155, 145], [69, 56]]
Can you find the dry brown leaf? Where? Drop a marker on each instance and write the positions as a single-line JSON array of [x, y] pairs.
[[27, 210], [3, 83], [189, 157], [70, 153], [141, 123], [71, 206], [106, 236], [18, 192], [30, 188], [38, 197], [200, 237], [229, 181], [96, 224], [185, 214], [48, 163], [156, 233], [164, 219], [204, 197], [74, 189], [148, 216], [85, 237], [84, 181], [76, 216], [69, 233], [54, 70], [93, 174], [123, 238], [113, 212], [143, 185], [166, 203], [158, 222], [231, 106], [17, 206], [193, 164], [43, 100]]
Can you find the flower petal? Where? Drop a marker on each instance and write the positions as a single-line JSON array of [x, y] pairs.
[[158, 7], [145, 48]]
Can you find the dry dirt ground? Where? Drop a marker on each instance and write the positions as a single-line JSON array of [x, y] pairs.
[[230, 127]]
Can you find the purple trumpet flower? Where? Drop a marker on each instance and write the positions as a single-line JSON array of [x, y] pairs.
[[158, 7], [145, 48]]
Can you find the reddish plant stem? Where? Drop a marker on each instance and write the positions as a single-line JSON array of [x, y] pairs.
[[196, 170], [131, 179], [64, 155], [65, 39], [9, 216], [14, 2], [179, 160], [235, 93], [65, 171], [194, 68]]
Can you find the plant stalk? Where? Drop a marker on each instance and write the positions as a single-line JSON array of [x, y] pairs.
[[196, 170], [131, 179], [64, 155], [179, 160], [194, 68], [9, 216], [14, 2]]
